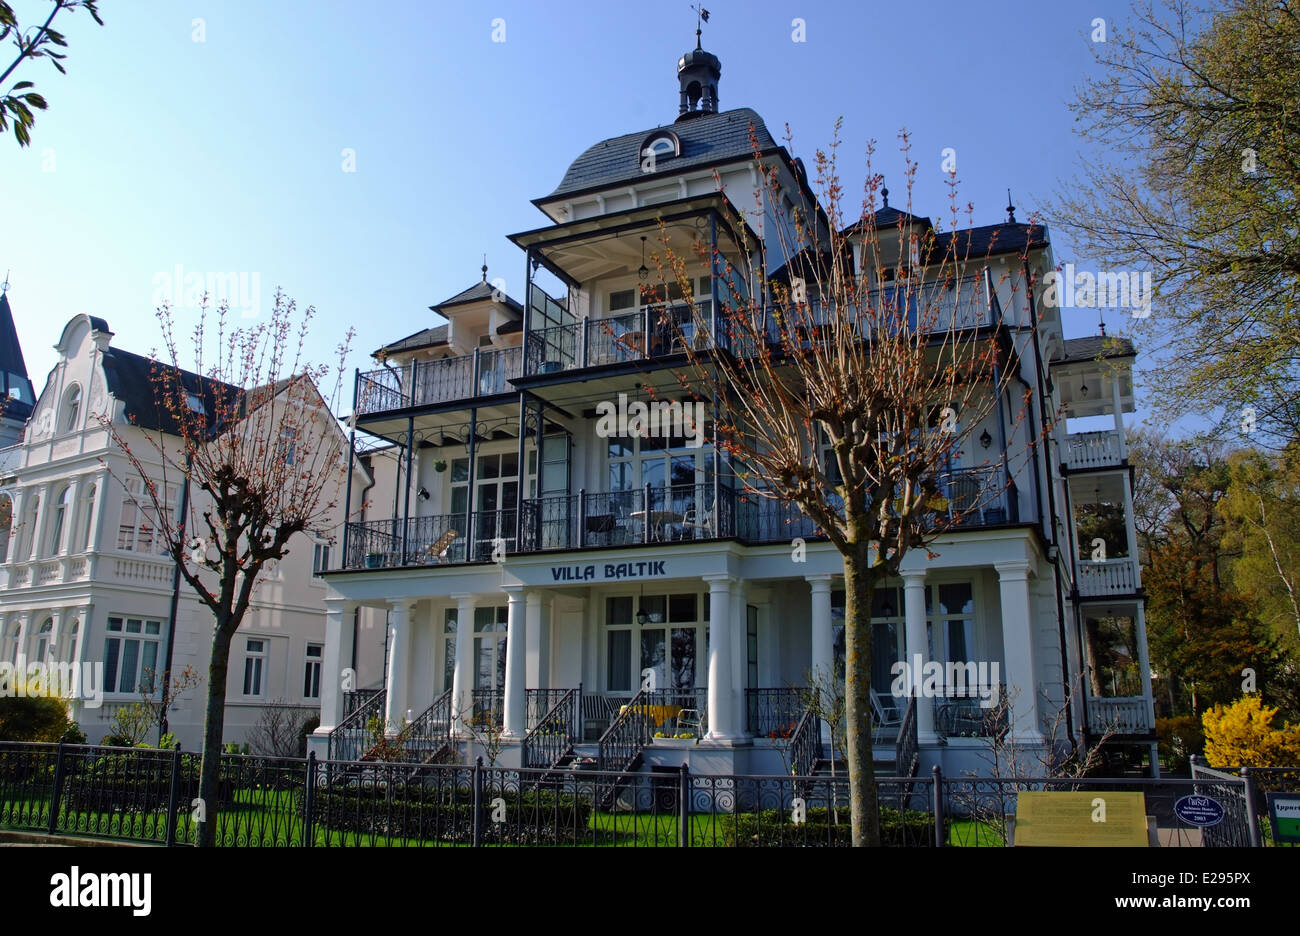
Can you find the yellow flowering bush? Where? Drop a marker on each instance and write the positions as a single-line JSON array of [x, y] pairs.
[[1242, 735]]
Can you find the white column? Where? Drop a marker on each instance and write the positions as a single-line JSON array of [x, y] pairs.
[[1119, 415], [24, 632], [534, 668], [17, 499], [399, 654], [76, 650], [1018, 637], [722, 722], [334, 680], [1144, 661], [57, 617], [738, 656], [462, 677], [823, 653], [515, 721], [917, 646], [70, 516], [1130, 530]]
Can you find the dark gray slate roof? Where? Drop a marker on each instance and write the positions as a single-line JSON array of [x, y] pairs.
[[425, 338], [706, 140], [13, 369], [476, 293], [991, 239], [1096, 346], [132, 378]]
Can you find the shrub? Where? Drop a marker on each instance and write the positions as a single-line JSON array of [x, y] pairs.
[[1242, 735], [33, 718], [1179, 739], [775, 827], [445, 813]]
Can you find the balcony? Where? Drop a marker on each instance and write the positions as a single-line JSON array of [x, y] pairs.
[[650, 332], [1123, 715], [668, 514], [485, 373], [1085, 450], [1107, 577]]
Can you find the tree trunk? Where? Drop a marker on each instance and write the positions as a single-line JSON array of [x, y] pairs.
[[1094, 668], [213, 731], [864, 806]]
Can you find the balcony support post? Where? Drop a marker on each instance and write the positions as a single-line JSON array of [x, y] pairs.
[[399, 658], [462, 677], [916, 647], [523, 473], [722, 726], [471, 447], [335, 680], [582, 518], [517, 627], [406, 505], [1119, 417], [347, 497], [823, 640], [645, 510]]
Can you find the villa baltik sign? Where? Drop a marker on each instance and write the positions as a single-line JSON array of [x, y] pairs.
[[608, 571]]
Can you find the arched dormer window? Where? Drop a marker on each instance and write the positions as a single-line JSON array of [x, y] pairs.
[[660, 144], [71, 409]]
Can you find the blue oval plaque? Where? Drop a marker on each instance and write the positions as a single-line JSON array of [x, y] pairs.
[[1199, 810]]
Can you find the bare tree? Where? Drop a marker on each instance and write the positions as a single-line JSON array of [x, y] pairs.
[[278, 730], [846, 383], [32, 43], [251, 435]]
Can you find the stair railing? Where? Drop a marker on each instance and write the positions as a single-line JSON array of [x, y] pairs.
[[553, 737], [430, 733], [806, 743], [627, 737], [352, 738]]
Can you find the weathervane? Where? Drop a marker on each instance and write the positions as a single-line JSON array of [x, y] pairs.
[[701, 15], [4, 287]]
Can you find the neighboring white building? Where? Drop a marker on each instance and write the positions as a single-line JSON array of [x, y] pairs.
[[622, 556], [84, 578]]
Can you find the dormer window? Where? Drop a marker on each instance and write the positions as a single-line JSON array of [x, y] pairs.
[[71, 408], [661, 144]]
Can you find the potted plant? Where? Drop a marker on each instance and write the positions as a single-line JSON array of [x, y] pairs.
[[440, 466], [374, 560]]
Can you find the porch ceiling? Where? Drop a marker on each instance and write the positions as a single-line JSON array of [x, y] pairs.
[[446, 426], [1097, 488], [610, 244]]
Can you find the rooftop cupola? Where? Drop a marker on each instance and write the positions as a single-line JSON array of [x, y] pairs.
[[698, 73]]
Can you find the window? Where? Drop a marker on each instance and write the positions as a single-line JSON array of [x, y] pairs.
[[194, 402], [287, 447], [131, 654], [87, 537], [27, 543], [887, 634], [751, 647], [138, 528], [485, 341], [669, 642], [72, 408], [254, 666], [43, 637], [15, 640], [320, 560], [60, 519], [311, 674], [951, 612], [490, 626]]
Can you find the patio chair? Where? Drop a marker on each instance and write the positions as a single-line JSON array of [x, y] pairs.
[[887, 715], [442, 546], [696, 519], [691, 721], [597, 713]]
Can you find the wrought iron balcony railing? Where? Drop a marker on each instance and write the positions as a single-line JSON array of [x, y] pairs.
[[486, 372], [652, 331]]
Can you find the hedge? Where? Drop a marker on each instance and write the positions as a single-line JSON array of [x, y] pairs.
[[909, 828]]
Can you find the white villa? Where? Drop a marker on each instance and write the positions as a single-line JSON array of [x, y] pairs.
[[83, 578], [541, 577]]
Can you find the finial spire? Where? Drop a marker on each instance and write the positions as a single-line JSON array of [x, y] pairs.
[[701, 15], [1011, 209], [1101, 317], [485, 268], [4, 287], [884, 192]]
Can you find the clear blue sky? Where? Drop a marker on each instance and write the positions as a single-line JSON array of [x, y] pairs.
[[226, 154]]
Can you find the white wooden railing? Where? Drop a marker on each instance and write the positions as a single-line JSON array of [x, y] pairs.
[[1121, 715], [1094, 449], [1099, 578]]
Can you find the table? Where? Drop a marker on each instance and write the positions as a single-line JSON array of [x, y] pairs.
[[656, 713], [658, 518]]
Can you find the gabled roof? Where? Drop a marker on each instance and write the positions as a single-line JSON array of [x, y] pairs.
[[132, 379], [424, 338], [439, 334], [993, 239], [1094, 347], [706, 140]]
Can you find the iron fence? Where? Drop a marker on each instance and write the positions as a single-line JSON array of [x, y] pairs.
[[151, 796]]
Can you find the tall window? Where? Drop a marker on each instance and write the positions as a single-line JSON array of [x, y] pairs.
[[6, 524], [887, 634], [951, 612], [43, 637], [320, 560], [27, 540], [751, 647], [287, 447], [15, 640], [131, 654], [311, 672], [254, 666], [138, 530], [87, 537], [62, 503], [661, 634], [490, 648], [71, 408]]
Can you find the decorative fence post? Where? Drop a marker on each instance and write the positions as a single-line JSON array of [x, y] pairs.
[[684, 807], [478, 803], [173, 794], [58, 789], [937, 793], [309, 802], [1252, 819]]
